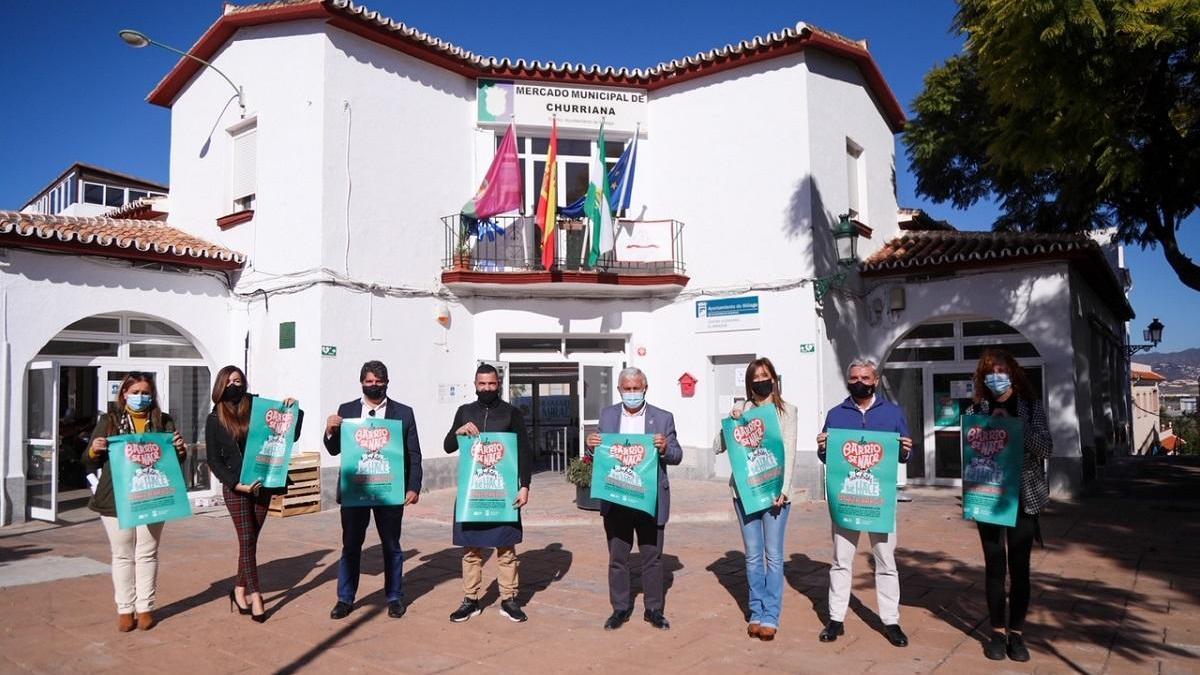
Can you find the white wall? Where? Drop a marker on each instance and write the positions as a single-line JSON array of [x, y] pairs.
[[43, 293]]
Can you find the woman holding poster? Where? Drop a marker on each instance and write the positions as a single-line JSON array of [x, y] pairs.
[[134, 550], [225, 438], [1002, 389], [763, 530]]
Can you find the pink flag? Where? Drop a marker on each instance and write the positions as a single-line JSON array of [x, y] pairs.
[[501, 188]]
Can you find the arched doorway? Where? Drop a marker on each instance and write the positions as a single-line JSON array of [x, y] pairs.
[[76, 375], [929, 373]]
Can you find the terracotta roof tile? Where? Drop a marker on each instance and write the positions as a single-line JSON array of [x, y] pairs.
[[121, 238]]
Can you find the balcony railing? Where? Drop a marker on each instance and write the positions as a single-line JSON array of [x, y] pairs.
[[513, 244]]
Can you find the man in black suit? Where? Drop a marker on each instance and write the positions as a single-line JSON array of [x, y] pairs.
[[374, 403]]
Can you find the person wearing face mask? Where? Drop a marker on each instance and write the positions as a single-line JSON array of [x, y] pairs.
[[634, 416], [763, 532], [373, 377], [865, 409], [134, 550], [1002, 389], [491, 414], [225, 442]]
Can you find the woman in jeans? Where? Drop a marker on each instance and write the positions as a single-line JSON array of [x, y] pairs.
[[225, 440], [1002, 390], [134, 550], [763, 532]]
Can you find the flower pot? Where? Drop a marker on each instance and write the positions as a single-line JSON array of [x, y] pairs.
[[584, 500]]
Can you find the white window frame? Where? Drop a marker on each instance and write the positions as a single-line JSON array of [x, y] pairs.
[[243, 189], [856, 181]]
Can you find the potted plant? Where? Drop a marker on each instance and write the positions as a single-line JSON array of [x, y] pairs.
[[579, 473], [462, 248]]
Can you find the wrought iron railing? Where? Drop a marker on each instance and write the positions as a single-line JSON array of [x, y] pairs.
[[514, 244]]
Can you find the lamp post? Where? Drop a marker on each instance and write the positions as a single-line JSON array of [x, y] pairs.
[[845, 240], [1152, 334], [137, 40]]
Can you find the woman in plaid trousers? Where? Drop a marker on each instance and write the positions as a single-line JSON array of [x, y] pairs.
[[1003, 390], [225, 440]]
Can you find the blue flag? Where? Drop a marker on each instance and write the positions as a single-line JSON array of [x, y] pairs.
[[620, 184]]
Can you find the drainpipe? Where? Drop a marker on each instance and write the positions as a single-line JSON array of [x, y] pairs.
[[5, 404]]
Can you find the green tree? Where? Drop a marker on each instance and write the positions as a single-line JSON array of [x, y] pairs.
[[1073, 114]]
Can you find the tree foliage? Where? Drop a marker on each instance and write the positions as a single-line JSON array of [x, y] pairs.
[[1074, 114]]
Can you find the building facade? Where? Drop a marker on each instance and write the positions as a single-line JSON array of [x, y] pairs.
[[341, 185]]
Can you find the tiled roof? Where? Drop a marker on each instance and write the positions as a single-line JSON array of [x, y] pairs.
[[371, 24], [1149, 376], [137, 207], [924, 249], [132, 239], [933, 252]]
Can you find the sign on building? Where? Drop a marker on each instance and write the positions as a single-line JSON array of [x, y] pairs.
[[537, 103], [727, 314]]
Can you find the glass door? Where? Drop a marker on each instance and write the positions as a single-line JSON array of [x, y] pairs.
[[951, 393], [599, 386], [41, 440]]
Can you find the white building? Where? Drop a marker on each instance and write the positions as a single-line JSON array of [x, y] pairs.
[[1147, 407], [362, 138]]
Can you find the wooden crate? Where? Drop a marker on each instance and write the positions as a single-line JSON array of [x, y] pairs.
[[304, 491]]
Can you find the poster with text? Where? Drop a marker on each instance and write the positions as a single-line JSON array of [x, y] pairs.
[[488, 480], [372, 471], [625, 471], [993, 450], [147, 480], [269, 442], [756, 456], [860, 478]]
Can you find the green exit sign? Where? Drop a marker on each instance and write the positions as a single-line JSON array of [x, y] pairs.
[[808, 348], [328, 350]]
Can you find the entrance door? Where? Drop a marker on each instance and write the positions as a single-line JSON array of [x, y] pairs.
[[41, 440], [729, 387], [951, 392], [599, 385]]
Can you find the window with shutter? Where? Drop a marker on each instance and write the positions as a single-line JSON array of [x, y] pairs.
[[243, 177]]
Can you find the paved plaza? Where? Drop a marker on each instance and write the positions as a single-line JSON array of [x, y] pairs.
[[1116, 589]]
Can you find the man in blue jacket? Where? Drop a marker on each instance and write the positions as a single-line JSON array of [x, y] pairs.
[[634, 416], [374, 403], [865, 409]]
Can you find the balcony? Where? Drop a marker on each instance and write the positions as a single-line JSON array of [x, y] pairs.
[[503, 256]]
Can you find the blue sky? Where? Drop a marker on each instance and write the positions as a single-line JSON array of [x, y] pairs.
[[74, 92]]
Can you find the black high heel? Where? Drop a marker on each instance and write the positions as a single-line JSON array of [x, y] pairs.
[[257, 618], [233, 603]]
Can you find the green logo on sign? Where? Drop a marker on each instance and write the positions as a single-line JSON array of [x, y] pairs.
[[808, 348], [328, 350]]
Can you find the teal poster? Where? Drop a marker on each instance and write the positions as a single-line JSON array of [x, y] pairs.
[[147, 481], [860, 478], [755, 446], [993, 452], [488, 480], [625, 471], [269, 442], [372, 472]]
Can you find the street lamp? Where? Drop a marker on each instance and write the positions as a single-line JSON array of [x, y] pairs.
[[845, 240], [1152, 334], [137, 40]]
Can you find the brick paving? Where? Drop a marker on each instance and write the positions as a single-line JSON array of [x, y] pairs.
[[1117, 589]]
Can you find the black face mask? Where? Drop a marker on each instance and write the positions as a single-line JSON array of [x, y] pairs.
[[233, 393], [860, 390], [487, 397], [375, 392], [762, 388]]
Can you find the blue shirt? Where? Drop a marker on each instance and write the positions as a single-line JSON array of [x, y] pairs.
[[883, 415]]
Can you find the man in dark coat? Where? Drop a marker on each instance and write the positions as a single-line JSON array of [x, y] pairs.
[[490, 414], [374, 403]]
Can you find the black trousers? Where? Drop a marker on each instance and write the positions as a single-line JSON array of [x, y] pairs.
[[1007, 549], [620, 526]]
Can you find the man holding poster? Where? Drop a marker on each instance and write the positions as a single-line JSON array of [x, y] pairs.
[[481, 427], [631, 418], [865, 411], [384, 448]]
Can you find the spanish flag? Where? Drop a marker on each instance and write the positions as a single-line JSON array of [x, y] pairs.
[[547, 210]]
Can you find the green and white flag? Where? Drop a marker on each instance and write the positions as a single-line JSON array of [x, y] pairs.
[[598, 208]]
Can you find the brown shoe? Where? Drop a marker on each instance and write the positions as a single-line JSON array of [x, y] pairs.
[[766, 633], [146, 621], [752, 630], [126, 622]]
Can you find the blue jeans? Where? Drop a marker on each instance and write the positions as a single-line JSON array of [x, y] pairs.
[[762, 534], [354, 532]]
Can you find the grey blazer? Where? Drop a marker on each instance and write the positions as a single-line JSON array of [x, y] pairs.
[[658, 421]]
